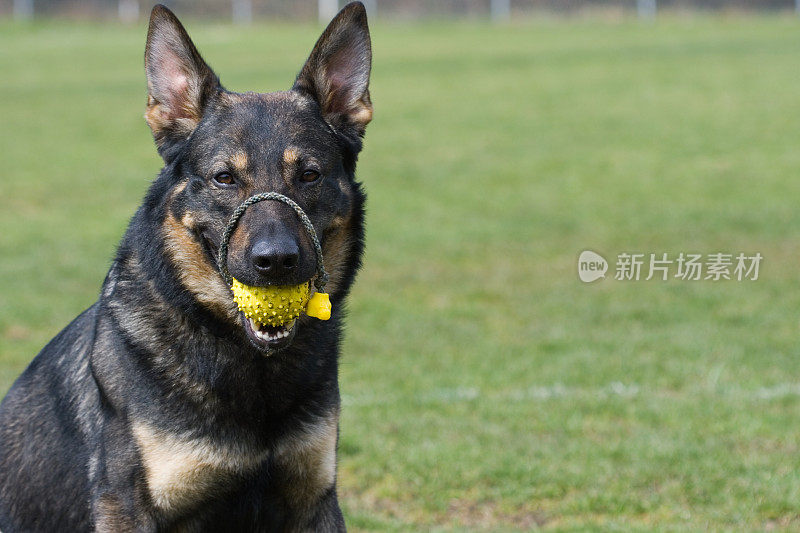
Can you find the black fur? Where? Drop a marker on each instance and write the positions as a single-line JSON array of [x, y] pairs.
[[160, 373]]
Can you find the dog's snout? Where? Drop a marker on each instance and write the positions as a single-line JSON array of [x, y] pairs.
[[275, 258]]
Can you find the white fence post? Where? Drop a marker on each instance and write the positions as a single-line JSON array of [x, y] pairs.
[[372, 7], [501, 10], [128, 11], [327, 9], [23, 9], [647, 8], [242, 11]]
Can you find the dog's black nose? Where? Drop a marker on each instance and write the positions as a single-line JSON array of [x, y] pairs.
[[275, 257]]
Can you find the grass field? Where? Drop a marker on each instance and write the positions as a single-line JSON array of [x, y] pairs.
[[485, 386]]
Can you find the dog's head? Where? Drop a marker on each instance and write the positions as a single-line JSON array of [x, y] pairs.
[[221, 147]]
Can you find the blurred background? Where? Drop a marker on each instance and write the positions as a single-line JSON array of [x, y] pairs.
[[485, 387], [246, 11]]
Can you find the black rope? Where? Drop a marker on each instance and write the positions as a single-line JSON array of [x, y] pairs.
[[222, 259]]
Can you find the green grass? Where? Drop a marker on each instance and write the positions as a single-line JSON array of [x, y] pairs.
[[484, 386]]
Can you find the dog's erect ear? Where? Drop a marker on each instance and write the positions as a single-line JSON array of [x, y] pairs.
[[179, 83], [336, 73]]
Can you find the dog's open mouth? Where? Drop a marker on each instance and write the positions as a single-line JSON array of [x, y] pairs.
[[268, 338]]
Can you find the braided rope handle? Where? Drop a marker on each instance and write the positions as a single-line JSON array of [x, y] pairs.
[[222, 259]]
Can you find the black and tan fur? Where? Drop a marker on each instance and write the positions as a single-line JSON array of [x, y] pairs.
[[156, 409]]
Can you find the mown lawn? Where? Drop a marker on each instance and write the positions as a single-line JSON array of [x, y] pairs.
[[485, 386]]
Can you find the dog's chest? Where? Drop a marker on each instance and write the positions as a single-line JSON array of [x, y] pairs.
[[182, 471]]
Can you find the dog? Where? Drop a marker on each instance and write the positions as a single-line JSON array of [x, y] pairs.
[[160, 408]]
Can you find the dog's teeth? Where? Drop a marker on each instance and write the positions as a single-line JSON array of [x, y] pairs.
[[264, 335]]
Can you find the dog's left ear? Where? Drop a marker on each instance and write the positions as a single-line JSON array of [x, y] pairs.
[[179, 83], [336, 73]]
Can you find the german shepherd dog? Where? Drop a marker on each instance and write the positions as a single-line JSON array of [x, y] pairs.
[[160, 408]]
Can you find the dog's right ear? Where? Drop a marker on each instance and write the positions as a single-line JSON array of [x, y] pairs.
[[179, 83]]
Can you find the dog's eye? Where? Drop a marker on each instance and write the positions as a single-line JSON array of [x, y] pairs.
[[309, 176], [224, 178]]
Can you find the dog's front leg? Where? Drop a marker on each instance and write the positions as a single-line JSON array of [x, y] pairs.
[[119, 500], [305, 470], [114, 514], [324, 515]]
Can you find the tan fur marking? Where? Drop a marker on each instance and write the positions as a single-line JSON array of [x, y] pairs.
[[181, 470], [194, 269], [158, 118], [336, 251], [290, 156], [108, 516], [239, 161], [309, 461], [188, 221], [363, 113]]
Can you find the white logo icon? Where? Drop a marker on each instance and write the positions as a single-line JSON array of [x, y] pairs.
[[591, 266]]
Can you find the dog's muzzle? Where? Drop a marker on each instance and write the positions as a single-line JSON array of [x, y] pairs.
[[269, 313]]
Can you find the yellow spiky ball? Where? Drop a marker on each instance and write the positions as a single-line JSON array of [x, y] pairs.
[[274, 305]]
